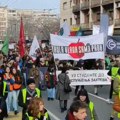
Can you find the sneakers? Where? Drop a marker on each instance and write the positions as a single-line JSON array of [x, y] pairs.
[[109, 101]]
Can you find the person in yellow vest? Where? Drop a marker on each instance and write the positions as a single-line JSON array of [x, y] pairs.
[[83, 97], [36, 110], [116, 89], [112, 72], [26, 94], [3, 96]]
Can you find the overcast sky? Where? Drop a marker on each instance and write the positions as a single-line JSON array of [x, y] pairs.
[[32, 4]]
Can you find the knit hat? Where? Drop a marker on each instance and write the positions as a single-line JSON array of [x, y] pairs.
[[30, 80]]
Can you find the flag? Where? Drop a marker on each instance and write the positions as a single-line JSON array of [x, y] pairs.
[[113, 45], [79, 32], [96, 29], [33, 49], [64, 30], [21, 40], [5, 47]]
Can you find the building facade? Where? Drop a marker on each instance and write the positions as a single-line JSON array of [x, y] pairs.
[[86, 13], [3, 22]]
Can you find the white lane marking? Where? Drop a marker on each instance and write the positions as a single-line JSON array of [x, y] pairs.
[[51, 114], [98, 97], [101, 98]]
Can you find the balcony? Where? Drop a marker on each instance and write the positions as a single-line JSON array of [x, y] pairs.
[[76, 8], [75, 27], [111, 22], [104, 2], [85, 5], [117, 22], [85, 25], [95, 3], [117, 0]]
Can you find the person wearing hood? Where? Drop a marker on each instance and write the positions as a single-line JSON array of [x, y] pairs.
[[83, 97], [26, 94], [3, 96]]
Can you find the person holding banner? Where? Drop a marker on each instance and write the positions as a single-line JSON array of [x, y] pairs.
[[83, 97], [62, 96]]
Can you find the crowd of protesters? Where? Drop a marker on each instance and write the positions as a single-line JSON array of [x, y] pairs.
[[20, 85]]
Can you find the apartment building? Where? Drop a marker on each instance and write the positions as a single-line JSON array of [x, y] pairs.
[[3, 22], [85, 13]]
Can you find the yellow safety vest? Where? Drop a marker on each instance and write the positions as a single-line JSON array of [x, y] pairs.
[[32, 118], [114, 72], [4, 88], [91, 106], [119, 113], [24, 91]]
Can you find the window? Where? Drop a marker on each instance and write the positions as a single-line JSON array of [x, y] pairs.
[[64, 20], [111, 15], [64, 5], [70, 21], [98, 17]]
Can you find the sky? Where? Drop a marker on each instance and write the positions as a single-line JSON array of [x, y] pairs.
[[33, 4]]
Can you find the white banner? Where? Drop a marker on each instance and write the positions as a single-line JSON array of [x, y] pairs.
[[88, 77], [75, 48]]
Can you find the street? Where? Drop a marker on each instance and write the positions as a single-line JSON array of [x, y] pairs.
[[103, 109]]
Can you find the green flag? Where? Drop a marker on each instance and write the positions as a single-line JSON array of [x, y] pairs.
[[5, 46]]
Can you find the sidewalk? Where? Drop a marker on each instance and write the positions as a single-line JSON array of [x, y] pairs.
[[12, 116]]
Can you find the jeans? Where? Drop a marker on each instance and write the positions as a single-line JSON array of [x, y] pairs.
[[51, 93], [15, 99], [9, 100], [12, 100]]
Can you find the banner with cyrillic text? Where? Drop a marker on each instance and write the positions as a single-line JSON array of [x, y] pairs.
[[88, 77], [75, 48]]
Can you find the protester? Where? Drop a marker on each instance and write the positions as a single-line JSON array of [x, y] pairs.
[[26, 94], [84, 98], [8, 78], [116, 89], [51, 82], [16, 87], [113, 72], [35, 73], [60, 94], [36, 110], [3, 96], [77, 111]]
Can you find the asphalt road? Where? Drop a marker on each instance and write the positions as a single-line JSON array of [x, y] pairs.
[[103, 109]]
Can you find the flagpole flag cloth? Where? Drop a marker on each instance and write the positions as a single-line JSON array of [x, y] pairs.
[[64, 29], [96, 29], [33, 48], [5, 47], [21, 40], [75, 48]]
